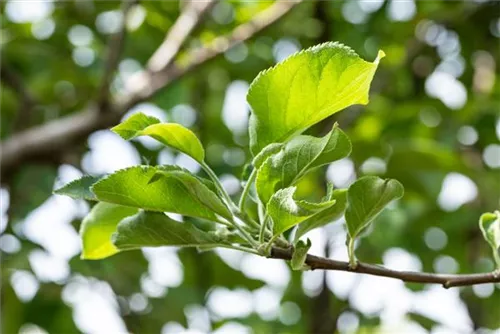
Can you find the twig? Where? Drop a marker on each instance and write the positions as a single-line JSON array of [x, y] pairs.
[[189, 18], [55, 137], [114, 50], [26, 100], [445, 280]]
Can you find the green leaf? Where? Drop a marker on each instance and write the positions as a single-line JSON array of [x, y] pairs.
[[169, 134], [286, 212], [175, 190], [149, 229], [299, 156], [366, 198], [79, 189], [489, 223], [266, 153], [97, 228], [131, 127], [178, 137], [300, 254], [304, 89], [326, 216]]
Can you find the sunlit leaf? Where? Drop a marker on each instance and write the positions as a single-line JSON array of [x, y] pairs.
[[149, 229], [97, 228], [286, 212], [169, 134], [305, 89], [489, 223], [299, 156], [175, 190], [326, 216], [131, 127], [79, 189], [366, 198]]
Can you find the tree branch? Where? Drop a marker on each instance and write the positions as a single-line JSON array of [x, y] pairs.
[[55, 137], [114, 50], [445, 280], [26, 100]]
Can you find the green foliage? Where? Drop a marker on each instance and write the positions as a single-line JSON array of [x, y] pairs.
[[489, 223], [286, 212], [299, 156], [300, 254], [149, 229], [97, 228], [79, 188], [305, 89], [325, 216], [169, 134], [157, 189]]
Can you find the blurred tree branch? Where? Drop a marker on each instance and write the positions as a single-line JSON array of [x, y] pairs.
[[447, 281], [55, 137], [26, 99], [114, 50]]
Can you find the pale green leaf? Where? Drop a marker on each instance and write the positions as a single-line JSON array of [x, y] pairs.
[[178, 137], [300, 254], [326, 216], [304, 89], [266, 153], [150, 229], [79, 189], [489, 223], [97, 228], [366, 198], [286, 212], [169, 134], [299, 156], [175, 190], [130, 127]]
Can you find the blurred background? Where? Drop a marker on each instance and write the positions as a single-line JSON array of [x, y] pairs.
[[433, 122]]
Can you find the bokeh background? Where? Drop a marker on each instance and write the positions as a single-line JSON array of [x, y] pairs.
[[433, 123]]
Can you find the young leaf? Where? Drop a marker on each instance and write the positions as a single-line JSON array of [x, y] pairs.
[[175, 190], [97, 228], [266, 153], [169, 134], [366, 198], [178, 137], [79, 189], [130, 127], [300, 254], [149, 229], [326, 216], [286, 212], [304, 89], [299, 156], [489, 223]]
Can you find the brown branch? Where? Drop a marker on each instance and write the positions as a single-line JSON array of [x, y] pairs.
[[445, 280], [26, 100], [114, 50], [187, 21], [55, 137]]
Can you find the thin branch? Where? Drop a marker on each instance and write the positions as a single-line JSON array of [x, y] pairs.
[[26, 100], [114, 50], [187, 21], [445, 280], [53, 138], [147, 85]]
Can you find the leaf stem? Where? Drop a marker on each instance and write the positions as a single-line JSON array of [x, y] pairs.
[[352, 258], [218, 185], [242, 248], [246, 190]]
